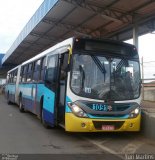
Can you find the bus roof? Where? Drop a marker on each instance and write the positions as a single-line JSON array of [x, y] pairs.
[[67, 42]]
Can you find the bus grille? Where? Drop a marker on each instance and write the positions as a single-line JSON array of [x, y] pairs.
[[117, 124]]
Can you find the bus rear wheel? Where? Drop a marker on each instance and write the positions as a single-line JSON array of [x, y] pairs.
[[21, 107]]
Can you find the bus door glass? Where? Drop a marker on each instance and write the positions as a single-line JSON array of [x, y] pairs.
[[31, 84], [51, 83], [62, 84]]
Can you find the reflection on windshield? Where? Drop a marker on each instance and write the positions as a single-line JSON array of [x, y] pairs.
[[105, 78]]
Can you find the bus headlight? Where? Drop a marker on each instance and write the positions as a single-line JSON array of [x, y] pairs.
[[77, 110], [134, 113]]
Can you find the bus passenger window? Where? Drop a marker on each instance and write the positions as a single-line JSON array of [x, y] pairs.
[[15, 76], [10, 78], [29, 73], [7, 78], [24, 74], [42, 68], [51, 70], [21, 74], [36, 72]]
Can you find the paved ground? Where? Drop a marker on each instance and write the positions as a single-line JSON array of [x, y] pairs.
[[22, 133]]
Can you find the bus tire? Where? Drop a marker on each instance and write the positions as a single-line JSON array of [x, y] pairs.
[[21, 107], [8, 99]]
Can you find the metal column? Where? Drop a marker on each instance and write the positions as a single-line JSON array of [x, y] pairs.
[[135, 35]]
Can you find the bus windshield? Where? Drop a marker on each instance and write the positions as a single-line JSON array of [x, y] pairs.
[[106, 78]]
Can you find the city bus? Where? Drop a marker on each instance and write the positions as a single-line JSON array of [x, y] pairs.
[[82, 85]]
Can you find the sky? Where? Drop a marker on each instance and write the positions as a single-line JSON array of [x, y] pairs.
[[14, 15], [147, 51]]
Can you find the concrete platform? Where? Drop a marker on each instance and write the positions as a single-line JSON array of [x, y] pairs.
[[148, 119]]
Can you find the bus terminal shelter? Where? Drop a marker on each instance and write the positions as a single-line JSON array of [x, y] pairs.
[[57, 20]]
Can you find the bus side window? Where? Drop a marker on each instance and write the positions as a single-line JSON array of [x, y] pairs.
[[15, 76], [7, 78], [42, 69], [36, 71], [10, 78], [51, 75], [24, 73], [29, 72], [21, 73]]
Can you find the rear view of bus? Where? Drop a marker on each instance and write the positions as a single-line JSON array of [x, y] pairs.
[[103, 87]]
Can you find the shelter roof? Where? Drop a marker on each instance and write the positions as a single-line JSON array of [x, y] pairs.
[[57, 20]]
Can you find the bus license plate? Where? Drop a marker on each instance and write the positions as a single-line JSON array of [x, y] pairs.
[[108, 127]]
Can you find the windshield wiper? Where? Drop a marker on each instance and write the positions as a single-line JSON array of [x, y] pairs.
[[121, 63], [99, 65]]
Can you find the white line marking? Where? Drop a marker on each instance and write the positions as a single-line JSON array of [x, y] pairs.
[[104, 148], [131, 148]]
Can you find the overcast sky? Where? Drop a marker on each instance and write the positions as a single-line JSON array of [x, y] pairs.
[[14, 14], [147, 51]]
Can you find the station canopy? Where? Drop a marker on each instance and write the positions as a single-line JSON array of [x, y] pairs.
[[56, 20]]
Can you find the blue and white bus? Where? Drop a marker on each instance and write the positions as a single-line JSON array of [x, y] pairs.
[[82, 84]]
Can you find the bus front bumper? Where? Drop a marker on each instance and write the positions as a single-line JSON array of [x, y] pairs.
[[76, 124]]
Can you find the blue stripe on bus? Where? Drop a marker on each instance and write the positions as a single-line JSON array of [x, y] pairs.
[[49, 97], [49, 100], [27, 104], [11, 88], [42, 90], [48, 117], [68, 110]]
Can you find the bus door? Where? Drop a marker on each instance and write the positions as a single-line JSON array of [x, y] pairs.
[[33, 97], [32, 86], [61, 94], [50, 94]]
